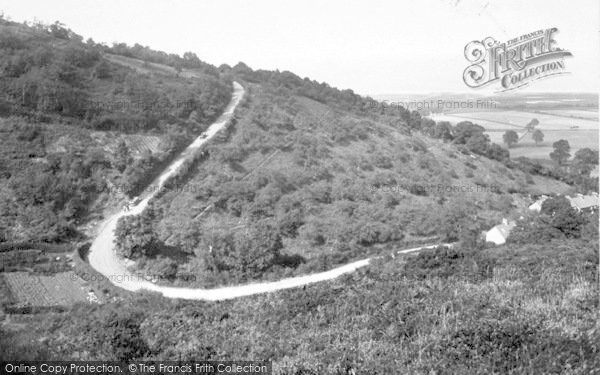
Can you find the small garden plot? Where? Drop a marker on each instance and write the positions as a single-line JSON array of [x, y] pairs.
[[138, 144], [43, 291]]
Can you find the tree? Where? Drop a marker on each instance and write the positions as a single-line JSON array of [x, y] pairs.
[[469, 235], [497, 152], [478, 143], [102, 70], [537, 136], [178, 67], [190, 238], [247, 253], [443, 130], [427, 126], [119, 335], [586, 156], [414, 120], [553, 205], [562, 216], [510, 138], [534, 229], [58, 30], [456, 220], [192, 59], [257, 248], [163, 267], [465, 130], [561, 151], [532, 124], [135, 237], [122, 156], [557, 219], [590, 229]]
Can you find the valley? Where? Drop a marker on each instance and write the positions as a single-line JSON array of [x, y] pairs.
[[157, 208]]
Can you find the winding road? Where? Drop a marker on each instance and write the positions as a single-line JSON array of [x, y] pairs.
[[104, 259]]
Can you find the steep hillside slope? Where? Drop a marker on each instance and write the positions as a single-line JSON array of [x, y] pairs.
[[80, 127], [310, 177]]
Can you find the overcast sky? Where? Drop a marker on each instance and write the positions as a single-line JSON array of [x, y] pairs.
[[372, 47]]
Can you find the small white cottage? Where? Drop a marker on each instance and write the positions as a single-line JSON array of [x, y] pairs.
[[537, 205], [584, 202], [500, 232]]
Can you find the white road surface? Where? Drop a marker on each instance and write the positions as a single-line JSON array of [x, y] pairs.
[[104, 259]]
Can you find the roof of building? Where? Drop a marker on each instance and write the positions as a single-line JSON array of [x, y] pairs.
[[505, 228], [584, 201], [537, 205]]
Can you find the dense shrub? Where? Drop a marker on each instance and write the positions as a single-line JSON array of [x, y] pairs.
[[557, 220], [536, 315]]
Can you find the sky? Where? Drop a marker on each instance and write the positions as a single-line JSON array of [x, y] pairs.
[[372, 47]]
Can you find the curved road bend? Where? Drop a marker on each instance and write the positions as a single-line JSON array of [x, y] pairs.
[[104, 259]]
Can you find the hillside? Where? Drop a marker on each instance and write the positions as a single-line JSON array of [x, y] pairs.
[[310, 177], [82, 130], [511, 309]]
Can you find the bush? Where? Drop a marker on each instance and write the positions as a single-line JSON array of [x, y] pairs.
[[382, 161], [557, 220], [246, 254], [441, 262], [470, 165], [529, 179], [46, 247], [515, 346]]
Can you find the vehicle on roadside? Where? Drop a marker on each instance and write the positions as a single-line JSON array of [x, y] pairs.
[[134, 201]]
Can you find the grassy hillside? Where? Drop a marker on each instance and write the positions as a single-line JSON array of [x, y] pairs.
[[76, 121], [511, 309]]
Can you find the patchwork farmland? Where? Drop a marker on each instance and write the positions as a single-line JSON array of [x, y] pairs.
[[579, 127]]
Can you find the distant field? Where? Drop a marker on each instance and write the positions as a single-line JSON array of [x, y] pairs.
[[590, 115], [60, 289], [580, 133], [526, 147], [518, 119]]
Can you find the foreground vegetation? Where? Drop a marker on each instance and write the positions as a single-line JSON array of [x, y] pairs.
[[511, 309]]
